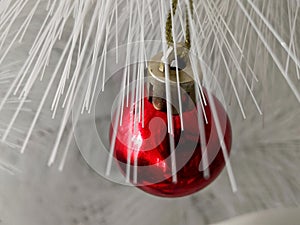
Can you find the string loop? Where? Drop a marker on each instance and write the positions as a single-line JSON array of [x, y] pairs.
[[169, 26]]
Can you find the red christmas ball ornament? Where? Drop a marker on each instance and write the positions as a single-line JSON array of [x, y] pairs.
[[179, 162]]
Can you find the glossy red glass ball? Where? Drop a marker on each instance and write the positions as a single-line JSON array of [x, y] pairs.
[[147, 146]]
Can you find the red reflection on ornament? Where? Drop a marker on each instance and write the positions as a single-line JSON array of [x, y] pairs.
[[148, 147]]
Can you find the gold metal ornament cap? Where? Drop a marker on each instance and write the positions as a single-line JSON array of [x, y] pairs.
[[157, 76]]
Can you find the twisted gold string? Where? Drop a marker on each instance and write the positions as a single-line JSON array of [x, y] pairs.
[[169, 27], [187, 31]]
